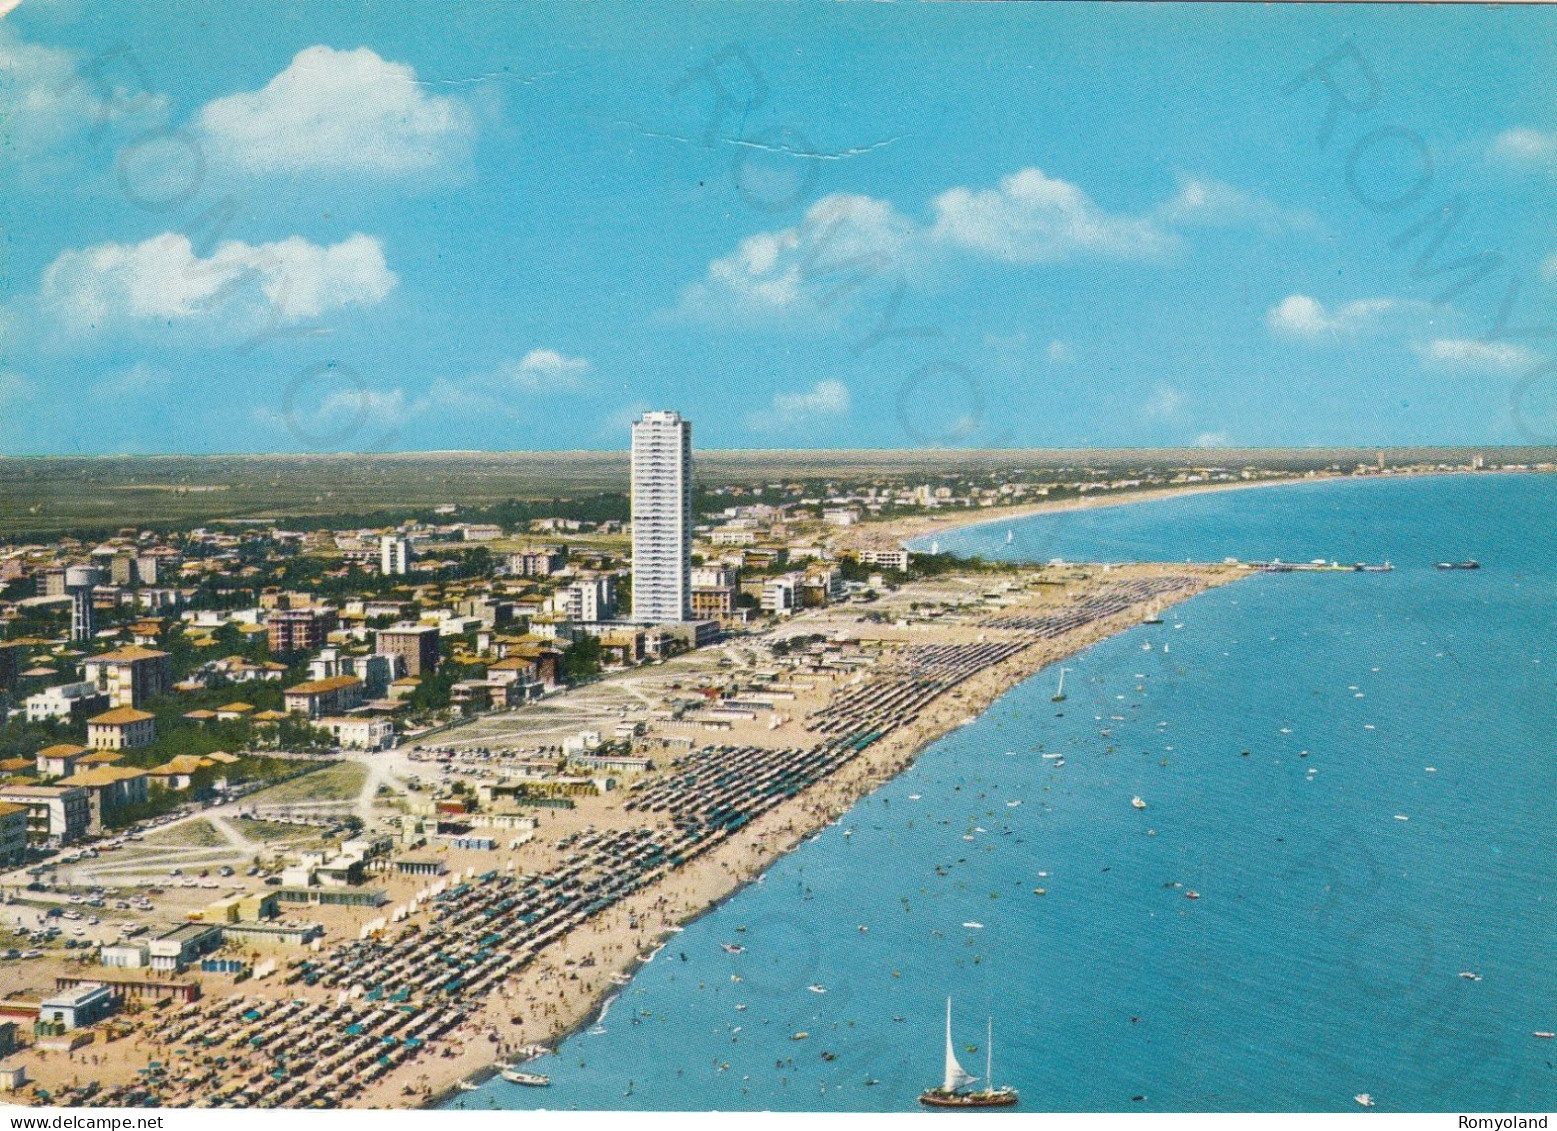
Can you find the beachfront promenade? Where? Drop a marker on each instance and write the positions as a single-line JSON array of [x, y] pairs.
[[475, 968]]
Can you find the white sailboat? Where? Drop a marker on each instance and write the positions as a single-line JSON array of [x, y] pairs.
[[954, 1090], [1059, 692]]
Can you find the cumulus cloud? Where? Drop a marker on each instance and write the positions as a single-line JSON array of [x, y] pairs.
[[1477, 356], [1299, 316], [1060, 353], [1522, 145], [51, 97], [1202, 202], [1033, 218], [338, 112], [1211, 440], [236, 287], [843, 242], [543, 369], [847, 242], [828, 399]]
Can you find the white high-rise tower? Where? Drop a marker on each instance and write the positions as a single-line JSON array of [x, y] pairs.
[[662, 518], [394, 555]]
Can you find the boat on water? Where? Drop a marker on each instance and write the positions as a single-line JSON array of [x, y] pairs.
[[1059, 692], [527, 1079], [955, 1091], [1460, 565], [1137, 802]]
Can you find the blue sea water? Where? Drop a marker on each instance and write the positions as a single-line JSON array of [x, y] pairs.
[[1277, 729]]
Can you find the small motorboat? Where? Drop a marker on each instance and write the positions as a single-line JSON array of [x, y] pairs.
[[527, 1079], [1363, 1099], [1137, 802]]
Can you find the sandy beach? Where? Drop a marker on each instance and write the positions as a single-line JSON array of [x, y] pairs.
[[893, 533], [562, 990]]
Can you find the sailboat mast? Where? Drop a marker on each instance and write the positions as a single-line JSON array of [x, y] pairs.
[[989, 1056]]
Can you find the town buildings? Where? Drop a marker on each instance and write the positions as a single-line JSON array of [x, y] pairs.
[[56, 814], [130, 675], [416, 645], [300, 630], [123, 728], [319, 697]]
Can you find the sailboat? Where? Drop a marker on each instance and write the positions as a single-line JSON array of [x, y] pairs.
[[1059, 692], [1010, 534], [954, 1090], [1153, 616]]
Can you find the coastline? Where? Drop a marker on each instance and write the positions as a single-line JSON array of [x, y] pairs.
[[723, 870], [895, 533]]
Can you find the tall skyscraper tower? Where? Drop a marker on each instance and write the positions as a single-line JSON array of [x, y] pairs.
[[662, 518]]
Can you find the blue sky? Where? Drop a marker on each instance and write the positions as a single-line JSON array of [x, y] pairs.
[[303, 227]]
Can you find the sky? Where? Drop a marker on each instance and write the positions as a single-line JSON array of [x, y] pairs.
[[369, 226]]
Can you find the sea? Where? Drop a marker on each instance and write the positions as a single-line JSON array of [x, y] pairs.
[[1353, 773]]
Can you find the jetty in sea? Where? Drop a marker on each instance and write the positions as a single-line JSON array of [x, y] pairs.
[[1318, 565]]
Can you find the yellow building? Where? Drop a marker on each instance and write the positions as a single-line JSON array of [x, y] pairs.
[[123, 728]]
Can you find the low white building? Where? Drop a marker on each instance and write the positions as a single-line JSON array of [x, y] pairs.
[[780, 595], [125, 956], [65, 699], [360, 732]]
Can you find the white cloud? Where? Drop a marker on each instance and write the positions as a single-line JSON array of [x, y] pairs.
[[843, 242], [1211, 440], [1033, 218], [1523, 145], [847, 242], [828, 399], [1477, 356], [1060, 353], [1202, 202], [1549, 267], [543, 369], [49, 99], [239, 286], [1299, 316], [338, 111], [1164, 403]]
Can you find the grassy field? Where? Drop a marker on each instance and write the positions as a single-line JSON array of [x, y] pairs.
[[341, 781], [42, 496], [189, 834], [276, 833]]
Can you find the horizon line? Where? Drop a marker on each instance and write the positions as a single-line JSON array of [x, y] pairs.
[[1229, 449]]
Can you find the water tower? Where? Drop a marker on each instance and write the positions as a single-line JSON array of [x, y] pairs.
[[79, 583]]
